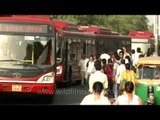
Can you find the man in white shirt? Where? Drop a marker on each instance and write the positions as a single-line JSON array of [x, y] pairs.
[[115, 66], [133, 57], [136, 58], [120, 68], [105, 56], [125, 52], [96, 98], [98, 76], [82, 67], [90, 67]]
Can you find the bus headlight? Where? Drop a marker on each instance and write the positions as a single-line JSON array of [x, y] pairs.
[[47, 78], [59, 70]]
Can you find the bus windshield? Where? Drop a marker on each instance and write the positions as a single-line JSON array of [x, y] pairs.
[[18, 49]]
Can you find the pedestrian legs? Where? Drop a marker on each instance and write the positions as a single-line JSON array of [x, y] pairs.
[[115, 90], [82, 77]]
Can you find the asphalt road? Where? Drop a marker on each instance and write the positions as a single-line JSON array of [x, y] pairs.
[[70, 95], [65, 95]]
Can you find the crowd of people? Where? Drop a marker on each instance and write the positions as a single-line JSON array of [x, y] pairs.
[[111, 74]]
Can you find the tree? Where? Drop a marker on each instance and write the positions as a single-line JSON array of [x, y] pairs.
[[151, 28], [82, 19], [126, 23], [67, 18]]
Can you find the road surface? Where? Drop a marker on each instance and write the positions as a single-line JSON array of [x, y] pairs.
[[71, 95]]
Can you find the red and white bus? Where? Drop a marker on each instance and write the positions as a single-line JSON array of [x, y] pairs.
[[73, 41], [141, 39], [27, 55]]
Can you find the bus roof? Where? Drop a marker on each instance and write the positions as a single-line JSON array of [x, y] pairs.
[[91, 31], [97, 30], [93, 35], [26, 18], [60, 25]]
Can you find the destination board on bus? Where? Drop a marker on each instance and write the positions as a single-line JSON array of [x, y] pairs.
[[25, 28]]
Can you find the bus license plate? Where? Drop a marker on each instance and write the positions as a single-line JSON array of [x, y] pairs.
[[16, 87]]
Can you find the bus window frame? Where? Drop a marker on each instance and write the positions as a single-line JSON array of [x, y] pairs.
[[59, 36]]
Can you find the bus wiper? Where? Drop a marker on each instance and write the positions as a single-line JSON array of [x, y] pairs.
[[33, 65], [11, 60], [16, 60], [24, 64]]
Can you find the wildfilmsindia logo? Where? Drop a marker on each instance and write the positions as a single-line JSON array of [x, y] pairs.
[[72, 91]]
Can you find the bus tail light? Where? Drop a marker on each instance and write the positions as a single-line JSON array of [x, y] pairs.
[[47, 78], [59, 70]]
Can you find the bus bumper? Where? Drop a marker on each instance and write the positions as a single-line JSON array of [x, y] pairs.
[[28, 88]]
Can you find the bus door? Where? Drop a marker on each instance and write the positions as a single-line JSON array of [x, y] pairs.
[[75, 51]]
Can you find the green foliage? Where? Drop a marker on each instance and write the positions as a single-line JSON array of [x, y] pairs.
[[67, 18], [151, 28], [119, 23], [126, 23]]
